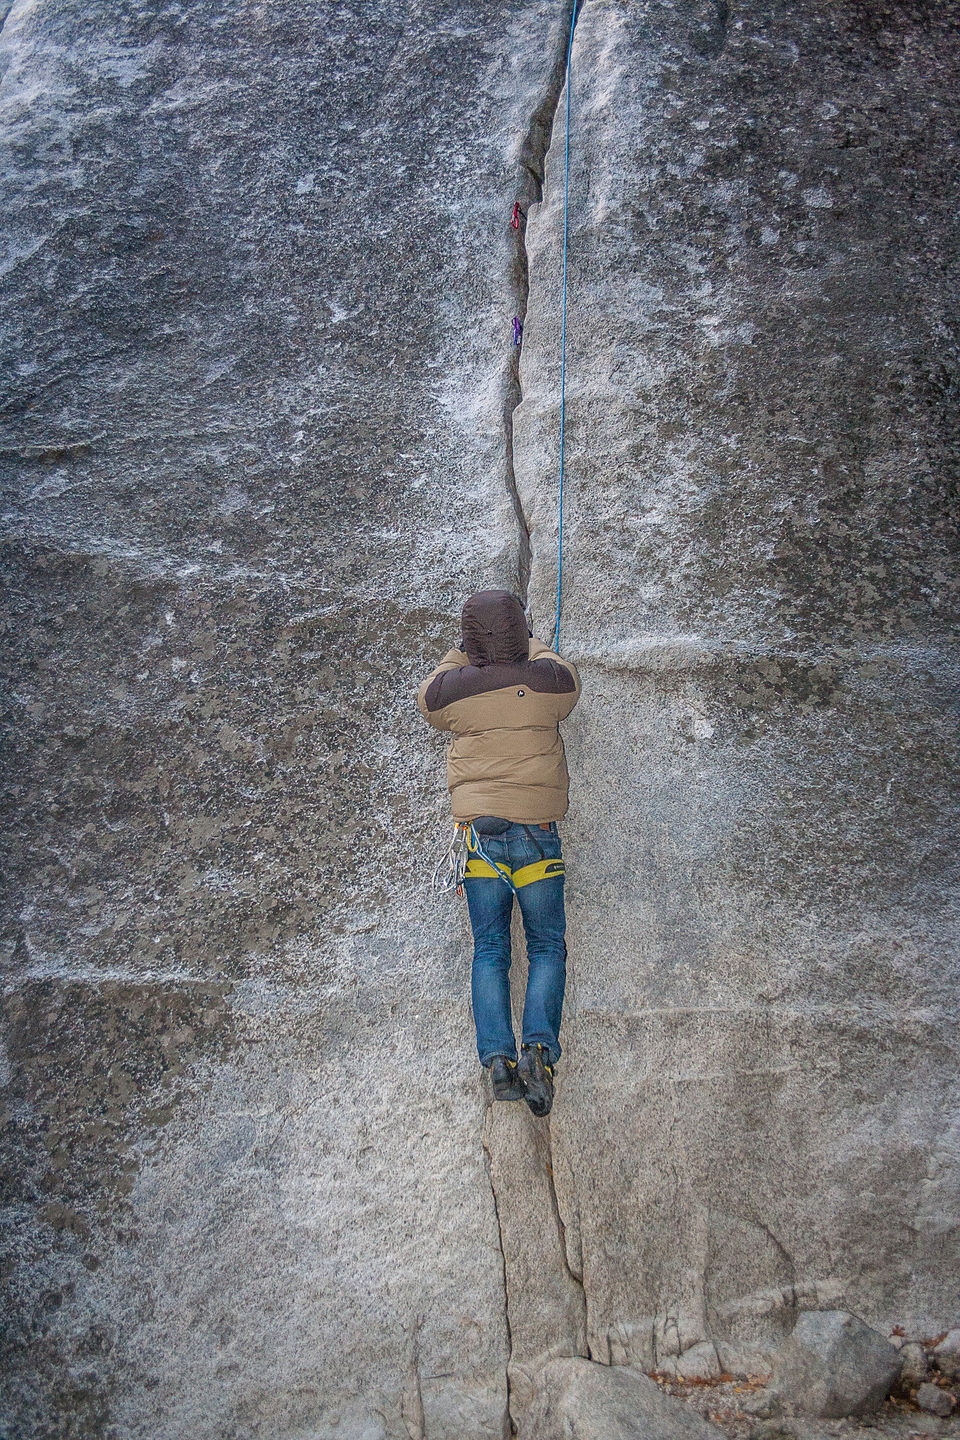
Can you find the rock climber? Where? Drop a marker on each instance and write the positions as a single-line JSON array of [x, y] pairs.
[[503, 695]]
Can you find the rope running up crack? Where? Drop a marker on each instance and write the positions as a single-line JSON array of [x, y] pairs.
[[563, 320]]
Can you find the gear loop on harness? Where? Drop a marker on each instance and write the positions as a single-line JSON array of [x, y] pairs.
[[464, 843], [454, 861]]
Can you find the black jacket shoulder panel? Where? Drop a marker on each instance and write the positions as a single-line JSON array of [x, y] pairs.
[[545, 676]]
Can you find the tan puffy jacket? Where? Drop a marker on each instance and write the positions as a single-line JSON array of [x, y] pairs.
[[503, 697]]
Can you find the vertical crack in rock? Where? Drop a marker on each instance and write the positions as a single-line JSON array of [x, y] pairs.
[[411, 1406], [784, 1254], [710, 38], [544, 1300], [546, 1141], [529, 191], [509, 1425]]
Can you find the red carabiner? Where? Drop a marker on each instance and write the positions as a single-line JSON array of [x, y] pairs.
[[515, 217]]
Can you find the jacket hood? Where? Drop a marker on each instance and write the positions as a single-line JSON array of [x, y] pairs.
[[494, 629]]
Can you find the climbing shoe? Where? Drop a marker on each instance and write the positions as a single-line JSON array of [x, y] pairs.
[[506, 1082], [537, 1079]]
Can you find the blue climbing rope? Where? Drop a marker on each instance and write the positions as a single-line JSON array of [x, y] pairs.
[[563, 320]]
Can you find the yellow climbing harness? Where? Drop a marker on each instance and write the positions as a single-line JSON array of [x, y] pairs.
[[466, 859], [523, 875]]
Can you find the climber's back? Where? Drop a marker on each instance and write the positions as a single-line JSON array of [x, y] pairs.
[[502, 696]]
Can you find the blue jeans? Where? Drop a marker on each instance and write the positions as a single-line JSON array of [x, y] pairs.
[[490, 903]]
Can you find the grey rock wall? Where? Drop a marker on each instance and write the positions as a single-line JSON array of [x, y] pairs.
[[262, 429], [760, 1111]]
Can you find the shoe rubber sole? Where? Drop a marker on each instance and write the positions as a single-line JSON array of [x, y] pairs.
[[509, 1087], [537, 1083]]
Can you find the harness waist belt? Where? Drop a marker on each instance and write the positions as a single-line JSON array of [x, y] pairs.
[[494, 825]]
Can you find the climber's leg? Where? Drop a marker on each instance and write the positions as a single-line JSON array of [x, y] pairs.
[[490, 903], [544, 924]]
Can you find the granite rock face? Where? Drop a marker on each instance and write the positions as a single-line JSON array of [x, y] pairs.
[[760, 583], [256, 328], [262, 429]]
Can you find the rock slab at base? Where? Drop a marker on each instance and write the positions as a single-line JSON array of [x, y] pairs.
[[580, 1400], [936, 1401], [947, 1355], [832, 1365], [914, 1365]]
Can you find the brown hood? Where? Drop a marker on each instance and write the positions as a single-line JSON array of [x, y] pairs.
[[494, 629]]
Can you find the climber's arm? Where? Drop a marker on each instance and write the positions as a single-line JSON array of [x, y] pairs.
[[429, 695], [542, 654]]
